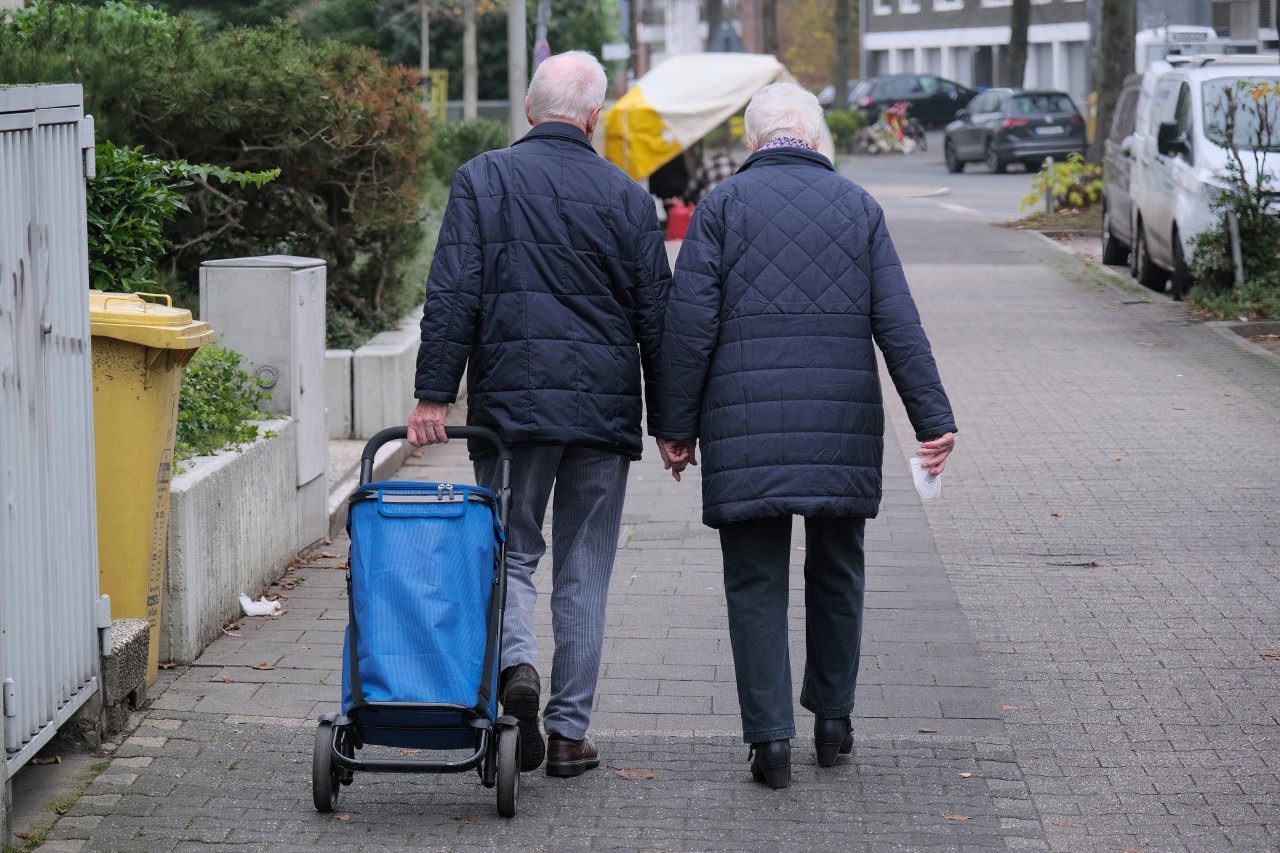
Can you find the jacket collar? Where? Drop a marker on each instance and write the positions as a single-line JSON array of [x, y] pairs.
[[557, 130], [787, 157]]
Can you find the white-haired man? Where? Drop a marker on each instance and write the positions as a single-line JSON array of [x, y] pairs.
[[786, 282], [549, 282]]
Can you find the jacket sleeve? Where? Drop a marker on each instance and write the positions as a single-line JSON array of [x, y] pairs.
[[895, 323], [652, 287], [693, 323], [453, 297]]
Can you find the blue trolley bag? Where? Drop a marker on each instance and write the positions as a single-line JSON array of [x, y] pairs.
[[424, 569]]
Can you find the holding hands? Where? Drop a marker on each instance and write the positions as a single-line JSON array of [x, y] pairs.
[[678, 454]]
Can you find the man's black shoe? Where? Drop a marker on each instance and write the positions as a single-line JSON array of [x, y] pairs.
[[520, 689], [571, 757]]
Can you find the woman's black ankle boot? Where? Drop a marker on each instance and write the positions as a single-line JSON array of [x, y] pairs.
[[833, 737], [771, 763]]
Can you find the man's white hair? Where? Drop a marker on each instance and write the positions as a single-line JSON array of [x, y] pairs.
[[783, 109], [568, 85]]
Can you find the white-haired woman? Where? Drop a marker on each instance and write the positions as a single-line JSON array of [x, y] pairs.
[[786, 281]]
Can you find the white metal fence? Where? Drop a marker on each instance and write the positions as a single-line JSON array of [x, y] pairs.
[[48, 539]]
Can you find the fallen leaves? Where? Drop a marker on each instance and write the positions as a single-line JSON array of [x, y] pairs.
[[263, 665], [956, 817], [344, 817], [927, 731], [1119, 458], [1269, 654], [965, 775], [49, 759], [637, 773], [168, 665], [1056, 514], [1010, 708]]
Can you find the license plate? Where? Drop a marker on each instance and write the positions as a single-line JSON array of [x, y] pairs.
[[1051, 130]]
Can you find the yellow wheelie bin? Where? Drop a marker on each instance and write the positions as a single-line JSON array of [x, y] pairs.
[[139, 350]]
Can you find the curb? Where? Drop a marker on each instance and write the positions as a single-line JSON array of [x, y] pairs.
[[387, 462]]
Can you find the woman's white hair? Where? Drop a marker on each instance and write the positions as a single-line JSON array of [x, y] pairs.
[[782, 109], [569, 85]]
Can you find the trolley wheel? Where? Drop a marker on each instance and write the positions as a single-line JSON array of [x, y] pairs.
[[508, 770], [325, 775]]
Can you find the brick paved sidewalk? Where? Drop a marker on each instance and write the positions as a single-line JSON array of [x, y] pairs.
[[1078, 621]]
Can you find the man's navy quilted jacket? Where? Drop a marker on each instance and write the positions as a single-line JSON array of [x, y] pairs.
[[786, 276], [549, 271]]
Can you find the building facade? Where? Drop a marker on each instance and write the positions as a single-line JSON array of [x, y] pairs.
[[966, 40]]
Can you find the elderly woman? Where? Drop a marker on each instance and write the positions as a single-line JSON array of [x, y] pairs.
[[786, 278]]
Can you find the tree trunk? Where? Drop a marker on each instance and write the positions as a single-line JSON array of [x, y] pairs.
[[470, 70], [1015, 61], [714, 16], [1115, 62], [844, 53], [769, 22]]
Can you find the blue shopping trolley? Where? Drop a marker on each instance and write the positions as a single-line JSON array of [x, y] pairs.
[[426, 587]]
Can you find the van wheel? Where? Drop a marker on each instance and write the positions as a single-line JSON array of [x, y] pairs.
[[994, 163], [1113, 251], [1148, 274], [1180, 279]]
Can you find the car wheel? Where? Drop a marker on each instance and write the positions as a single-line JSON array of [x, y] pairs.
[[1180, 279], [1148, 274], [954, 164], [1113, 251], [994, 163]]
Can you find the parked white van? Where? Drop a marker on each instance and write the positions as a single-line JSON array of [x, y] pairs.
[[1178, 157]]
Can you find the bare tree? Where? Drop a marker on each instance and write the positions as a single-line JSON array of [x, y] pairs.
[[844, 51], [714, 14], [769, 21], [1115, 62], [1015, 59]]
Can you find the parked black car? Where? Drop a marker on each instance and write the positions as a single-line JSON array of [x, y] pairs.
[[827, 97], [932, 101], [1003, 126], [1117, 163]]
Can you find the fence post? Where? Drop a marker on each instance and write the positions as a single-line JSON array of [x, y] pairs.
[[1233, 229], [1048, 185]]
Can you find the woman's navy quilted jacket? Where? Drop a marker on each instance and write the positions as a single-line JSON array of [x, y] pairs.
[[786, 277], [551, 277]]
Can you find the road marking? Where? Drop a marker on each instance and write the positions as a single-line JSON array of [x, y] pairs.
[[958, 208], [932, 193]]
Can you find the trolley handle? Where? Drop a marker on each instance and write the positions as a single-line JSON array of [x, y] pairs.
[[399, 433]]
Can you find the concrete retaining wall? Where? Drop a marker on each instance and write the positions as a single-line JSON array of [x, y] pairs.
[[337, 393], [382, 379], [232, 528]]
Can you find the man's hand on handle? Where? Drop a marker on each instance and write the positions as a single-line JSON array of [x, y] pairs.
[[934, 453], [426, 423]]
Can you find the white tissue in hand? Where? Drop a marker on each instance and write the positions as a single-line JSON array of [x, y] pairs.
[[927, 485], [261, 607]]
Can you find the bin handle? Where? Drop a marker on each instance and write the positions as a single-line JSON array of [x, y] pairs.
[[168, 300]]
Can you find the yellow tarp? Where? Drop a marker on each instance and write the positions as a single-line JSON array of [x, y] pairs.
[[681, 101]]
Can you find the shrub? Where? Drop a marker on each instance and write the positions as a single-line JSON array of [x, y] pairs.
[[1075, 184], [129, 203], [1247, 124], [455, 144], [844, 126], [217, 403], [347, 132]]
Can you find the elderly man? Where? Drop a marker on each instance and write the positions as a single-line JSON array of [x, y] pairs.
[[549, 281], [786, 277]]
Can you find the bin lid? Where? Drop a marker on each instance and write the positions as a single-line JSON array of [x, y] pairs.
[[129, 317]]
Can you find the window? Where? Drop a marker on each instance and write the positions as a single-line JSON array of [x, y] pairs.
[[984, 103], [1041, 103], [1250, 133], [1122, 119], [908, 7], [882, 7], [989, 3], [948, 5]]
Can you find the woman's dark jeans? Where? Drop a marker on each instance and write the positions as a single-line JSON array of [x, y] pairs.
[[757, 554]]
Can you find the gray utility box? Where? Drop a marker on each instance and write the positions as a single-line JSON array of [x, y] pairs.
[[271, 310]]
